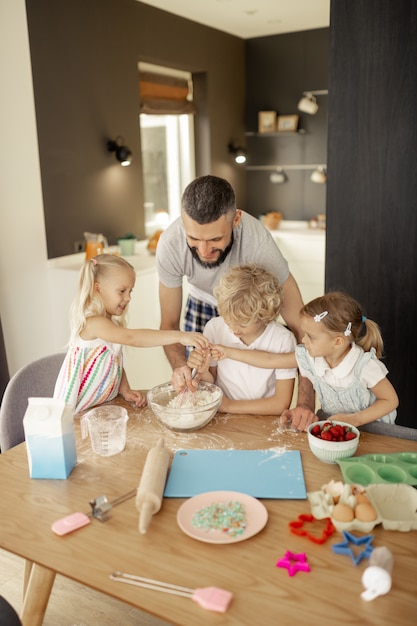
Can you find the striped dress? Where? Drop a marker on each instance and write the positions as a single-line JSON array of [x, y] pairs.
[[90, 374]]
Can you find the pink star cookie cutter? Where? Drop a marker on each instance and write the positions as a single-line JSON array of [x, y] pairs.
[[294, 563]]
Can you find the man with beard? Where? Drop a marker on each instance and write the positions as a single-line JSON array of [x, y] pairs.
[[211, 236]]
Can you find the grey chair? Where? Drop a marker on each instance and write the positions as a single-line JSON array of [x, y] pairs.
[[391, 430], [35, 380], [8, 615]]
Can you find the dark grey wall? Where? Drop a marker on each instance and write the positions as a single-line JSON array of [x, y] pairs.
[[372, 175], [279, 69], [84, 60]]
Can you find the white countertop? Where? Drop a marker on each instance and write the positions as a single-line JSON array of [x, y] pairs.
[[298, 228], [144, 261]]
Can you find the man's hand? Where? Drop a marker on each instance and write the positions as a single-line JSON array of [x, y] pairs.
[[300, 417], [182, 378]]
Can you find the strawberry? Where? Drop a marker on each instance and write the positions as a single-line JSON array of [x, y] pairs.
[[336, 431], [350, 435], [316, 430], [326, 435]]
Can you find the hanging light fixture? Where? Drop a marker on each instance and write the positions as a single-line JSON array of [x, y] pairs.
[[122, 152], [239, 153], [308, 103]]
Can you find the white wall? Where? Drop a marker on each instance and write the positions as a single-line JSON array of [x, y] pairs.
[[24, 296]]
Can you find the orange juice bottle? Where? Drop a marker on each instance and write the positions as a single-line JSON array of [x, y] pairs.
[[94, 245]]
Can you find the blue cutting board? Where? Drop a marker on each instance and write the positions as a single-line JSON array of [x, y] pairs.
[[259, 473]]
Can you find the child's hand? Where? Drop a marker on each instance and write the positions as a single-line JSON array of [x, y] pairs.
[[218, 352], [349, 418], [194, 339], [135, 397]]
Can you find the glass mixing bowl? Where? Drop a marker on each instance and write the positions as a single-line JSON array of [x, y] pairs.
[[187, 411]]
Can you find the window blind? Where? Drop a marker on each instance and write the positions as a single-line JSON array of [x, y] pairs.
[[164, 95]]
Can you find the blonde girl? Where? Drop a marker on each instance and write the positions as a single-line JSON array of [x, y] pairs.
[[340, 355], [249, 300], [92, 372]]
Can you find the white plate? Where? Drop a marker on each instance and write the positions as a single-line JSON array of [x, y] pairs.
[[256, 516]]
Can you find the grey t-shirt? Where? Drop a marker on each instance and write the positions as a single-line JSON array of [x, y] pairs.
[[253, 243]]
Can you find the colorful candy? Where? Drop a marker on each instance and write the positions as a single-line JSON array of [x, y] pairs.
[[226, 517]]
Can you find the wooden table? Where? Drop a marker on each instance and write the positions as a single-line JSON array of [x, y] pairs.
[[262, 593]]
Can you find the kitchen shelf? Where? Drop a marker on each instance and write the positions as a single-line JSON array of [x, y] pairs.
[[281, 133], [284, 167]]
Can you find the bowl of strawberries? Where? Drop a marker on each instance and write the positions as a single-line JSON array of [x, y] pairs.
[[331, 440]]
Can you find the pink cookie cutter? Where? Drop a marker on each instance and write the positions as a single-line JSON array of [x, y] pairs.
[[294, 563]]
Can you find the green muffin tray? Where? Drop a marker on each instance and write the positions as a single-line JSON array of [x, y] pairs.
[[368, 469]]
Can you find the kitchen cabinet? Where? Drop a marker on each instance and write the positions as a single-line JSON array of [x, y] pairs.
[[304, 248], [146, 367]]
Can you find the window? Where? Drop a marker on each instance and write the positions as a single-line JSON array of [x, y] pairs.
[[168, 160], [168, 166]]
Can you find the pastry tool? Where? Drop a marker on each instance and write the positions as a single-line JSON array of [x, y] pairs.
[[152, 484], [210, 598]]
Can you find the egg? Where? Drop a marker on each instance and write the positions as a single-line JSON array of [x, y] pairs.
[[343, 512], [361, 499], [365, 512], [334, 489]]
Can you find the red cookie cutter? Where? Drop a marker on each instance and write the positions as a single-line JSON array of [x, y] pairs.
[[297, 528]]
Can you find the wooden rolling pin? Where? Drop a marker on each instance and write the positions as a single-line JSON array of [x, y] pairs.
[[152, 484]]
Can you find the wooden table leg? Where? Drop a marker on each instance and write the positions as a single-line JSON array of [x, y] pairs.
[[26, 576], [37, 594]]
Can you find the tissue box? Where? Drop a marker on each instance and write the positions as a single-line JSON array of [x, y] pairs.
[[50, 441]]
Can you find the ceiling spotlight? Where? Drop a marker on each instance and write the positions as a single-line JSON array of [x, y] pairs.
[[122, 153], [319, 175], [239, 153], [308, 103], [278, 177]]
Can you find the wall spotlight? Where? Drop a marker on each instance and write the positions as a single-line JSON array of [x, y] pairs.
[[319, 175], [239, 153], [122, 153], [308, 103], [278, 177]]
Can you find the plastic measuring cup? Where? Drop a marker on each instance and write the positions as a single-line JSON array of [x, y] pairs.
[[106, 426]]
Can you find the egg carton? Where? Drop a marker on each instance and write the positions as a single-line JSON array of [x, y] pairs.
[[322, 505], [394, 504], [368, 469]]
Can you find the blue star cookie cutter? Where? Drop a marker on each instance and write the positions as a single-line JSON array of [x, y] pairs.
[[294, 563], [344, 547]]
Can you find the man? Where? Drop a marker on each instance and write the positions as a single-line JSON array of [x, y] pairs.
[[209, 238]]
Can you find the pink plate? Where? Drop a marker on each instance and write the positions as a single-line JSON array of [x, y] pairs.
[[255, 511]]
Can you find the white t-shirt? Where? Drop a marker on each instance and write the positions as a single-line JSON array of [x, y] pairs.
[[240, 381]]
